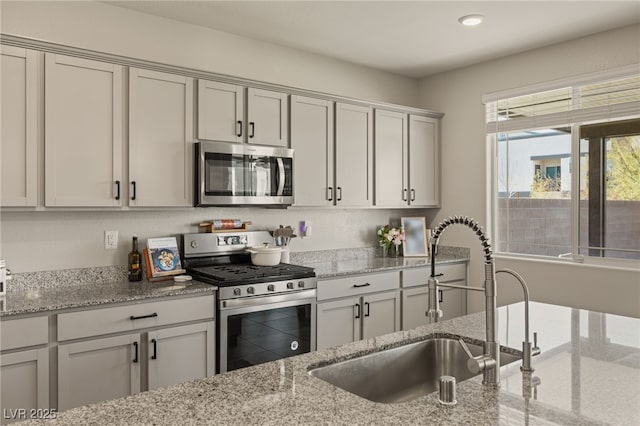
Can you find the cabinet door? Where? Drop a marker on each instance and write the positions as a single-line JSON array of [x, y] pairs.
[[24, 381], [160, 139], [338, 322], [98, 370], [220, 111], [312, 140], [179, 354], [354, 155], [453, 302], [424, 171], [380, 314], [267, 117], [415, 304], [391, 160], [83, 132], [19, 118]]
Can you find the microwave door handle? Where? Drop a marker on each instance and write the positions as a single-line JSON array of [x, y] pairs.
[[280, 176]]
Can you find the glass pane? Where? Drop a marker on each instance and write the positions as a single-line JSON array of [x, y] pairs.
[[261, 176], [534, 192], [610, 196], [225, 174]]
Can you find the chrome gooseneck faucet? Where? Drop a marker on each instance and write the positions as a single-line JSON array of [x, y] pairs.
[[489, 361], [527, 350]]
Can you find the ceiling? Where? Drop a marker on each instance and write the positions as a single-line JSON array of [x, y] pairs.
[[411, 38]]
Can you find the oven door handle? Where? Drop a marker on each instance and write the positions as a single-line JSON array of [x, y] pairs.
[[249, 302], [281, 176]]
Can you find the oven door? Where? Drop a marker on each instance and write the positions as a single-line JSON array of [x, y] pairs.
[[236, 174], [255, 330]]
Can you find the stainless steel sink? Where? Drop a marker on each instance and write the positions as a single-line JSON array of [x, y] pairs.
[[404, 373]]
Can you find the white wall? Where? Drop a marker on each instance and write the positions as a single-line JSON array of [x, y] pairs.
[[459, 95], [34, 241], [116, 30]]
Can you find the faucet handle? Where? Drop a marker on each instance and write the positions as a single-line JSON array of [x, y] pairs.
[[479, 363], [535, 350]]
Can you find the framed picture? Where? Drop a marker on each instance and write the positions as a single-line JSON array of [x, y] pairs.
[[416, 238]]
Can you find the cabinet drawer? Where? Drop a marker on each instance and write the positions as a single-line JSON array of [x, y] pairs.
[[95, 322], [419, 276], [25, 332], [355, 285]]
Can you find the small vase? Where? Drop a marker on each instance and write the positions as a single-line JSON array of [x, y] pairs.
[[394, 250], [384, 252]]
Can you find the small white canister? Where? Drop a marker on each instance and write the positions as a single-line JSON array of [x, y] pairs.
[[3, 277]]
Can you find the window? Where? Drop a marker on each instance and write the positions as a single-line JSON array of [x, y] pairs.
[[566, 169]]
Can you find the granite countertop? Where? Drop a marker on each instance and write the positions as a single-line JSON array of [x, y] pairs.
[[78, 294], [588, 373], [42, 292]]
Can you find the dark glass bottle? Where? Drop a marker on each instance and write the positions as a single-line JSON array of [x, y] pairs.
[[134, 262]]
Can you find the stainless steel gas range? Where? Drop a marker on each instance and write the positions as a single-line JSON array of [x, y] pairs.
[[264, 313]]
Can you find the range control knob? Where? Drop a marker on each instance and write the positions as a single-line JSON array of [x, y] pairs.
[[250, 290], [290, 286], [301, 284], [271, 287], [236, 291], [194, 244]]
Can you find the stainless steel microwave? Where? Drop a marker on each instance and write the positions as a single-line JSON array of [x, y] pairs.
[[240, 174]]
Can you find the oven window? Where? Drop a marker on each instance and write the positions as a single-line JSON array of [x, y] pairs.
[[258, 337], [226, 174]]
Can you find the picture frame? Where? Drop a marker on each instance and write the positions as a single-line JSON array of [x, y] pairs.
[[416, 238]]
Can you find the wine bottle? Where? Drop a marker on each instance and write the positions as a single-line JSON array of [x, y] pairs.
[[134, 262]]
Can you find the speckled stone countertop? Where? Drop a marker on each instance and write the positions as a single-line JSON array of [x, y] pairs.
[[78, 294], [40, 292], [587, 374]]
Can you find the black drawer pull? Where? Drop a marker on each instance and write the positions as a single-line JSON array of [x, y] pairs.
[[252, 129], [361, 285], [366, 305], [132, 317], [240, 125], [117, 190], [155, 349], [440, 294], [357, 310], [135, 347], [133, 195]]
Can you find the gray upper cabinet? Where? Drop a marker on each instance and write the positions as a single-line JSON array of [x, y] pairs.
[[221, 111], [83, 132], [333, 163], [391, 159], [424, 161], [407, 160], [18, 152], [160, 139], [312, 140], [354, 155], [234, 113]]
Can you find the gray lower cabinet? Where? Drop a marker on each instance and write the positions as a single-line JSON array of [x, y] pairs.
[[97, 370], [415, 294], [24, 368], [118, 351], [369, 306]]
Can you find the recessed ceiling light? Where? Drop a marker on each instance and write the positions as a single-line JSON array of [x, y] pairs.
[[471, 20]]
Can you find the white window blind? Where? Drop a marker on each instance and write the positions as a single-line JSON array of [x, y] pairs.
[[614, 98]]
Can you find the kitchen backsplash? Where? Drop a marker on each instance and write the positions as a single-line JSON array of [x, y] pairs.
[[62, 240]]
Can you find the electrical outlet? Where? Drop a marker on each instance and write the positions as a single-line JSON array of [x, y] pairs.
[[110, 240]]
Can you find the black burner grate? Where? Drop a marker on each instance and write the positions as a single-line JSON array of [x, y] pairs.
[[230, 274]]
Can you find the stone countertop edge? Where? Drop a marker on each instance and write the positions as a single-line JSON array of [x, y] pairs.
[[47, 291]]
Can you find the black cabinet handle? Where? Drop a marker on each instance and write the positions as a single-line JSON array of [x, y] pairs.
[[155, 349], [357, 310], [133, 317], [133, 194], [440, 294], [366, 305], [413, 194], [117, 190], [404, 194], [330, 193], [339, 196], [361, 285], [252, 129], [240, 125], [135, 351]]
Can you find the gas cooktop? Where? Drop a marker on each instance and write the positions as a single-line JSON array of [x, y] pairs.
[[224, 275]]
